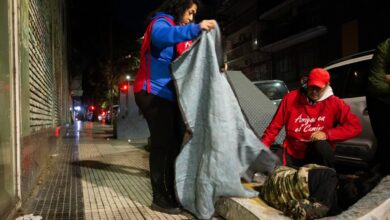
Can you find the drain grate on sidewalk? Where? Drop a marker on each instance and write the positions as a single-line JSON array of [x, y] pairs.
[[60, 196]]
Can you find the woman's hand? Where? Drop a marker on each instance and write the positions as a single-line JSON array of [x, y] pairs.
[[224, 68], [207, 24]]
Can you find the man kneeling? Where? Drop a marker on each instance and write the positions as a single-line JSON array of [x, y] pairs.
[[314, 120]]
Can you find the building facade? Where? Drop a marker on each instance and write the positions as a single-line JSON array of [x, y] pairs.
[[241, 29], [34, 92], [284, 39]]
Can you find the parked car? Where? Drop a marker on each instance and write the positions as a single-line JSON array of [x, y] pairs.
[[273, 89], [349, 82]]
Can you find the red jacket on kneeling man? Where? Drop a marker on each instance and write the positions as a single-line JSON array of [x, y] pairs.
[[310, 115]]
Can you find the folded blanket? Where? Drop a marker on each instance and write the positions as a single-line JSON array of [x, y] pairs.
[[221, 144]]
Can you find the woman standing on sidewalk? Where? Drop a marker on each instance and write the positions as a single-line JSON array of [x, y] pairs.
[[169, 33]]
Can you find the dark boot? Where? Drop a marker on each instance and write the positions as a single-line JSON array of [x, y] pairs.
[[164, 197], [165, 204]]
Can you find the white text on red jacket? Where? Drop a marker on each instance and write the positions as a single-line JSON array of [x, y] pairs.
[[305, 123]]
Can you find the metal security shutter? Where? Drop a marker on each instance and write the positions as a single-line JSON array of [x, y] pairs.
[[43, 99], [59, 49]]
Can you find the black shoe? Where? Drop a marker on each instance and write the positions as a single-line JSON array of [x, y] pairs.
[[165, 208]]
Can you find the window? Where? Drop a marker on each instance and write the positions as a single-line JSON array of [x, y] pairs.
[[357, 80], [350, 81], [338, 80], [273, 90]]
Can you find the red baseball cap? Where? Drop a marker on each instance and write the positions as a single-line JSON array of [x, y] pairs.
[[318, 77]]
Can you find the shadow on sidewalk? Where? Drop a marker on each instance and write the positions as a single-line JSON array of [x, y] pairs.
[[93, 164], [119, 186]]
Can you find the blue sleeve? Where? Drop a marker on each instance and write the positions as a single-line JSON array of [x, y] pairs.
[[165, 34]]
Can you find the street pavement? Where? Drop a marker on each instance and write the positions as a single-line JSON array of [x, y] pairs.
[[90, 175], [93, 176]]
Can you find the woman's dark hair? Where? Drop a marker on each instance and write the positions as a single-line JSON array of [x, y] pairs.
[[176, 8]]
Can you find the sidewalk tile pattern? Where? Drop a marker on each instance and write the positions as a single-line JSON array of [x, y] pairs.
[[93, 179], [60, 196], [116, 183]]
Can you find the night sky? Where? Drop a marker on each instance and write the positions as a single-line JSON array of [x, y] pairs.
[[91, 23], [101, 31], [106, 30]]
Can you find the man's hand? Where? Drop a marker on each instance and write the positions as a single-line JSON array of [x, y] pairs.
[[318, 136]]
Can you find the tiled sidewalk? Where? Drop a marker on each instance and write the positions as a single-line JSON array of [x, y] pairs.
[[94, 177], [115, 183]]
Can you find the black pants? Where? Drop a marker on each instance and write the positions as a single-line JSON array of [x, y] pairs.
[[323, 188], [164, 121], [380, 123], [319, 152]]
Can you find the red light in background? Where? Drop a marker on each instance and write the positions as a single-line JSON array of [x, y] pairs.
[[124, 88], [57, 132], [91, 108]]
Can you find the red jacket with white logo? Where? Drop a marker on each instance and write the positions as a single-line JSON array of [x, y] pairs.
[[301, 118]]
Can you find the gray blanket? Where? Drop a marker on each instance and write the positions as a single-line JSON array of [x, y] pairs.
[[221, 145]]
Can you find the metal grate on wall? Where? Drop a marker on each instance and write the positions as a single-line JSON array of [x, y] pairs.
[[43, 94]]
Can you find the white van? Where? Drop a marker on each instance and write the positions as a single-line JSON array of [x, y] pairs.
[[349, 82]]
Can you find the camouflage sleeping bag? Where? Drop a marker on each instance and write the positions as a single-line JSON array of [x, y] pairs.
[[306, 193]]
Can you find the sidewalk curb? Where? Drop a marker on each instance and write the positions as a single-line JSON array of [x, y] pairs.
[[247, 208]]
